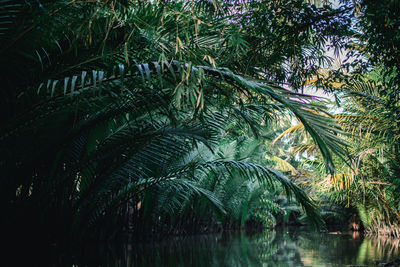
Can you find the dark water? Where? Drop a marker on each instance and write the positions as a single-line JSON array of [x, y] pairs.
[[277, 248]]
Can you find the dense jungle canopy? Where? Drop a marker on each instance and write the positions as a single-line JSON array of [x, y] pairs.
[[167, 117]]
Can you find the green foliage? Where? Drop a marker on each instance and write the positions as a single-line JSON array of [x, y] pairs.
[[106, 104], [365, 87]]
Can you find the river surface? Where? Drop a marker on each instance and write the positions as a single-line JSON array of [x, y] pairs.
[[282, 247]]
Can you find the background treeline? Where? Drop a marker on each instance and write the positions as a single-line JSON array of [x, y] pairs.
[[365, 85]]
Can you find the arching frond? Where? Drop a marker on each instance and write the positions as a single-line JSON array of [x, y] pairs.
[[294, 128], [284, 166]]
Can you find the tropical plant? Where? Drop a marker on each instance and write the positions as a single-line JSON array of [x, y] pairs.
[[368, 181], [104, 101]]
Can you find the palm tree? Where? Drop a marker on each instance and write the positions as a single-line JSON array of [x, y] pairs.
[[102, 101]]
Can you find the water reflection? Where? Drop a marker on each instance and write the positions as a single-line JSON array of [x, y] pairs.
[[277, 248]]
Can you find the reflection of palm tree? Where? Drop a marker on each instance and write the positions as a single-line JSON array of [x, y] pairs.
[[355, 235], [274, 248]]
